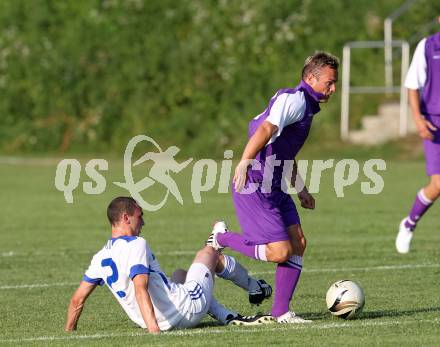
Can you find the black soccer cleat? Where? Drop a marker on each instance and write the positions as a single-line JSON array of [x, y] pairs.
[[256, 297], [250, 320]]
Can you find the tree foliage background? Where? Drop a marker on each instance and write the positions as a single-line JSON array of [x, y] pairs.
[[88, 75]]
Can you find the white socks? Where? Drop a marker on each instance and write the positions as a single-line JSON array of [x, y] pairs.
[[219, 311], [237, 274], [260, 252]]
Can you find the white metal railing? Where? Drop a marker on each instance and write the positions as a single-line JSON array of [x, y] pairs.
[[388, 38], [347, 89]]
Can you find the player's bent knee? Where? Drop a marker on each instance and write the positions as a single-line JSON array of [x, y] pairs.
[[436, 185], [303, 243], [279, 252], [281, 256]]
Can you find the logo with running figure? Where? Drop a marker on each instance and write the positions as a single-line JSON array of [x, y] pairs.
[[163, 164], [156, 168]]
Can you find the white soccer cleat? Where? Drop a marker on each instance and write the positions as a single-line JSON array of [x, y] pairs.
[[290, 317], [403, 239], [219, 227]]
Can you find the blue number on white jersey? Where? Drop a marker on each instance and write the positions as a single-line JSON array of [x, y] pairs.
[[114, 276]]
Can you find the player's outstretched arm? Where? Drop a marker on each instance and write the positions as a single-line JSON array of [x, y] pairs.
[[144, 301], [257, 141], [77, 304]]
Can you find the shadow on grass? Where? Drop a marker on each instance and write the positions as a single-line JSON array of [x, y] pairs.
[[324, 315], [314, 315], [371, 314], [209, 324], [396, 313]]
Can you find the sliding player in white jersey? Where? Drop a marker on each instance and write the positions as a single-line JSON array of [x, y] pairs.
[[128, 267]]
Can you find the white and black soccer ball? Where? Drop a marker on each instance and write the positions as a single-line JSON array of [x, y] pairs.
[[345, 299]]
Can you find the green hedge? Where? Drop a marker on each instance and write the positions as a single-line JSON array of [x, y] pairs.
[[88, 75]]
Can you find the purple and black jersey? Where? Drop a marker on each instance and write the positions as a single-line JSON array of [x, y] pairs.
[[265, 216], [291, 137], [430, 104]]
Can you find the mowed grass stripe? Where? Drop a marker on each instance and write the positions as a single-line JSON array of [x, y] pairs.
[[49, 243], [192, 332], [38, 285], [41, 254], [370, 268]]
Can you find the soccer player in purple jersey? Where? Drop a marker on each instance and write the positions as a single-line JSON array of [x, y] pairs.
[[423, 83], [268, 217]]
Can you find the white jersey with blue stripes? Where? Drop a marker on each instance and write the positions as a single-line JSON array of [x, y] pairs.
[[119, 261]]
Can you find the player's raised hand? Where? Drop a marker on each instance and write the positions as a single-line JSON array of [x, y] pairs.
[[425, 128], [240, 174], [306, 199]]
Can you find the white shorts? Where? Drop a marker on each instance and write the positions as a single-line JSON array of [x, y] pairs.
[[199, 285]]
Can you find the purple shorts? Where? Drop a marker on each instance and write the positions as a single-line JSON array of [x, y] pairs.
[[432, 149], [264, 217]]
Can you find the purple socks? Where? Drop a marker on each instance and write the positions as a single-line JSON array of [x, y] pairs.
[[236, 242], [286, 278], [419, 208]]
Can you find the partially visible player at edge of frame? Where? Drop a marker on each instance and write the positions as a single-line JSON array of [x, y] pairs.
[[423, 83], [269, 221], [130, 270]]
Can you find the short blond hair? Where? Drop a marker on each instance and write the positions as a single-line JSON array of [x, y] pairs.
[[317, 61]]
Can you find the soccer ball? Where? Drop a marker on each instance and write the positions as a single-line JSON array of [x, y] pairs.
[[345, 299]]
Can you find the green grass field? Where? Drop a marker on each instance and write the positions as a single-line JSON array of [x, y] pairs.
[[46, 244]]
